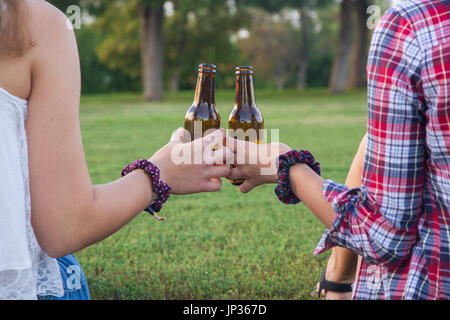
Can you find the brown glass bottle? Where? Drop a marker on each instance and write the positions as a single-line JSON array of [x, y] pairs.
[[245, 114], [203, 114]]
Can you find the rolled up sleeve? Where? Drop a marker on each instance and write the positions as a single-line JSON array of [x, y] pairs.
[[360, 227]]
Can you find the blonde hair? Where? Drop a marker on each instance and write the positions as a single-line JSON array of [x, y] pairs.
[[15, 38]]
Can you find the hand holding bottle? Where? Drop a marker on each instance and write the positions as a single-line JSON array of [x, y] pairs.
[[196, 172], [255, 163]]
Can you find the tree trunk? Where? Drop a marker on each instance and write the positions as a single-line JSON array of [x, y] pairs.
[[175, 78], [279, 82], [152, 51], [304, 56], [175, 81], [339, 75], [357, 78]]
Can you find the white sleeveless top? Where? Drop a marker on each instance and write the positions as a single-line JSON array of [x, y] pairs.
[[25, 270]]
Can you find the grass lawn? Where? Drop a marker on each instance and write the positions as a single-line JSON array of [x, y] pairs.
[[223, 245]]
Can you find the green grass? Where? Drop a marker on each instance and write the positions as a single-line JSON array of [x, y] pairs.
[[223, 245]]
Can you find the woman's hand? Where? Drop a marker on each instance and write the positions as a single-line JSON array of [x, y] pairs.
[[195, 166], [255, 163]]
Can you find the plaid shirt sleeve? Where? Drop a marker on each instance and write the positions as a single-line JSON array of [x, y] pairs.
[[379, 219]]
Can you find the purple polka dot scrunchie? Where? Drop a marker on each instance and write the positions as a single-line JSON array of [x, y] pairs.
[[283, 189], [161, 189]]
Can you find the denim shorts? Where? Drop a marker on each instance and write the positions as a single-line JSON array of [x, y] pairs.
[[74, 281]]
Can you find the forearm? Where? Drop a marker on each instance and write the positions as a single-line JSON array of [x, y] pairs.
[[103, 211], [114, 205], [307, 186]]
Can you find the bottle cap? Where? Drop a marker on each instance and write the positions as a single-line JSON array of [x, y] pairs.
[[244, 70], [205, 67]]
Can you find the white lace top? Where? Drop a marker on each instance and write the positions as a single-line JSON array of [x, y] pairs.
[[25, 270]]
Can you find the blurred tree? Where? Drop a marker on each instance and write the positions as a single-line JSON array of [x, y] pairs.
[[96, 76], [271, 47], [198, 32], [151, 14], [322, 46], [175, 34], [190, 35], [278, 5], [339, 74], [304, 8], [357, 77], [120, 47], [304, 52], [133, 39]]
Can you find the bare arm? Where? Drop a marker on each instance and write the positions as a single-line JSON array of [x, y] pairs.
[[68, 212], [63, 198], [311, 192]]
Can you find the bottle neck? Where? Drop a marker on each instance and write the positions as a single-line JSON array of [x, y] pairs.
[[204, 92], [245, 93]]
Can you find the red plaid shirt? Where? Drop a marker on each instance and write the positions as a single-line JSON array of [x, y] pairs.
[[399, 220]]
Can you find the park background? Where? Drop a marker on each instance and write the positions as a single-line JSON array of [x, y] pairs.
[[139, 62]]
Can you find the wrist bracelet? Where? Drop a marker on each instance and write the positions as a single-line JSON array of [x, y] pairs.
[[161, 189], [283, 189]]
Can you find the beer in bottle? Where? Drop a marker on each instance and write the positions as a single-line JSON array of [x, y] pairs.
[[245, 120], [203, 114]]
